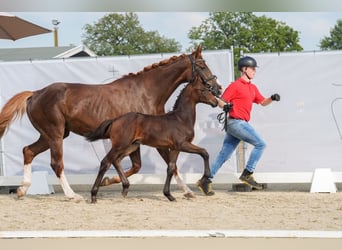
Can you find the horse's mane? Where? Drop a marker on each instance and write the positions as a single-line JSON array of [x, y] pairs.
[[156, 65]]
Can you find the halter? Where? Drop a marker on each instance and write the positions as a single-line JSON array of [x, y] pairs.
[[196, 69]]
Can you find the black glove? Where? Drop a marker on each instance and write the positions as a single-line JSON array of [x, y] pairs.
[[227, 107], [275, 97]]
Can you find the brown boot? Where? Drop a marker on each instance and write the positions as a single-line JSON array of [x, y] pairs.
[[204, 185], [247, 178]]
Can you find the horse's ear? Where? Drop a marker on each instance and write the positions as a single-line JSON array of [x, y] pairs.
[[198, 51]]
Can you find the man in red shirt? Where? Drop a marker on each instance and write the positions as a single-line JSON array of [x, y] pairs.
[[241, 94]]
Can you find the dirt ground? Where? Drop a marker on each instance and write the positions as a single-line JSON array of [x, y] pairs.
[[146, 208]]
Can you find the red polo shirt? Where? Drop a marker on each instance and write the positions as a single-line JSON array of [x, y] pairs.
[[242, 94]]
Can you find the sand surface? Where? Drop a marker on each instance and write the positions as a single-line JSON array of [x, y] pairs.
[[146, 208]]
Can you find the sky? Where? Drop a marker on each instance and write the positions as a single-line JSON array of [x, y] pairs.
[[312, 26]]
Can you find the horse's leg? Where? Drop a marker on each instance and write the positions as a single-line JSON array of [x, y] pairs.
[[171, 168], [56, 149], [164, 153], [29, 152], [136, 165]]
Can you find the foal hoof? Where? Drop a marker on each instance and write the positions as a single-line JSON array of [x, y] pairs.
[[124, 193], [171, 198]]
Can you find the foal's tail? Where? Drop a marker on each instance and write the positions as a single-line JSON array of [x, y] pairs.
[[102, 131], [14, 109]]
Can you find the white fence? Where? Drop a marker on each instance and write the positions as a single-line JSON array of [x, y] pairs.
[[302, 131], [80, 156]]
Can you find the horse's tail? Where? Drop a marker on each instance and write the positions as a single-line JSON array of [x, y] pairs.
[[102, 131], [14, 109]]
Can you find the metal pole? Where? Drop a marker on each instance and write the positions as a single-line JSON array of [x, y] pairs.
[[55, 35], [241, 150], [55, 31]]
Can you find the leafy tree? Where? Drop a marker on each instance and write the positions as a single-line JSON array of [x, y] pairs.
[[246, 32], [122, 34], [334, 41]]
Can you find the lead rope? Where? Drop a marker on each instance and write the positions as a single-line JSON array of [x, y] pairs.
[[223, 119]]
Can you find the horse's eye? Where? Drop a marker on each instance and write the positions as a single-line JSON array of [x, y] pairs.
[[202, 66]]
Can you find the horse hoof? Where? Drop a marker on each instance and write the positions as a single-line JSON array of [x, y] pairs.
[[190, 195], [76, 198], [20, 192]]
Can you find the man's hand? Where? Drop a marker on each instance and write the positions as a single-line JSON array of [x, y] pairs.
[[275, 97], [227, 107]]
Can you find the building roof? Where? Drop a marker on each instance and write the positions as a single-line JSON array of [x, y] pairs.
[[41, 53], [78, 51]]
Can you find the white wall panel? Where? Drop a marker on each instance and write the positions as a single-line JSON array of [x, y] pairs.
[[300, 130], [81, 156]]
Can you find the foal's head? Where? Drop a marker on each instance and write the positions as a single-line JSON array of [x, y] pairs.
[[204, 93]]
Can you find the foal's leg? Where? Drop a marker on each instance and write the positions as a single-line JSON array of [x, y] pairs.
[[105, 164], [124, 180], [191, 148], [188, 193], [171, 168], [111, 157], [136, 165]]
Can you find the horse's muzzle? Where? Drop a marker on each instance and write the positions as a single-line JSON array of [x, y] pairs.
[[216, 91]]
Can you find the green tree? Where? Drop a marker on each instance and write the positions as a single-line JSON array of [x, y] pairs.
[[246, 32], [122, 34], [334, 41]]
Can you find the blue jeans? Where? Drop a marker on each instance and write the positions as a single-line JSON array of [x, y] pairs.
[[239, 130]]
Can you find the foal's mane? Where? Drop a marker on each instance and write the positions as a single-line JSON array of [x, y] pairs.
[[178, 99], [156, 65], [175, 106]]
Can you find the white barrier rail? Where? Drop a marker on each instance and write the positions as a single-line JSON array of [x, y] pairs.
[[173, 233], [231, 178]]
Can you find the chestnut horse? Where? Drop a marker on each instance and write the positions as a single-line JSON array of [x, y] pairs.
[[173, 131], [59, 108]]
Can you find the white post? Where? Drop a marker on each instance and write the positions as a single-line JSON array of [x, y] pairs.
[[323, 181]]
